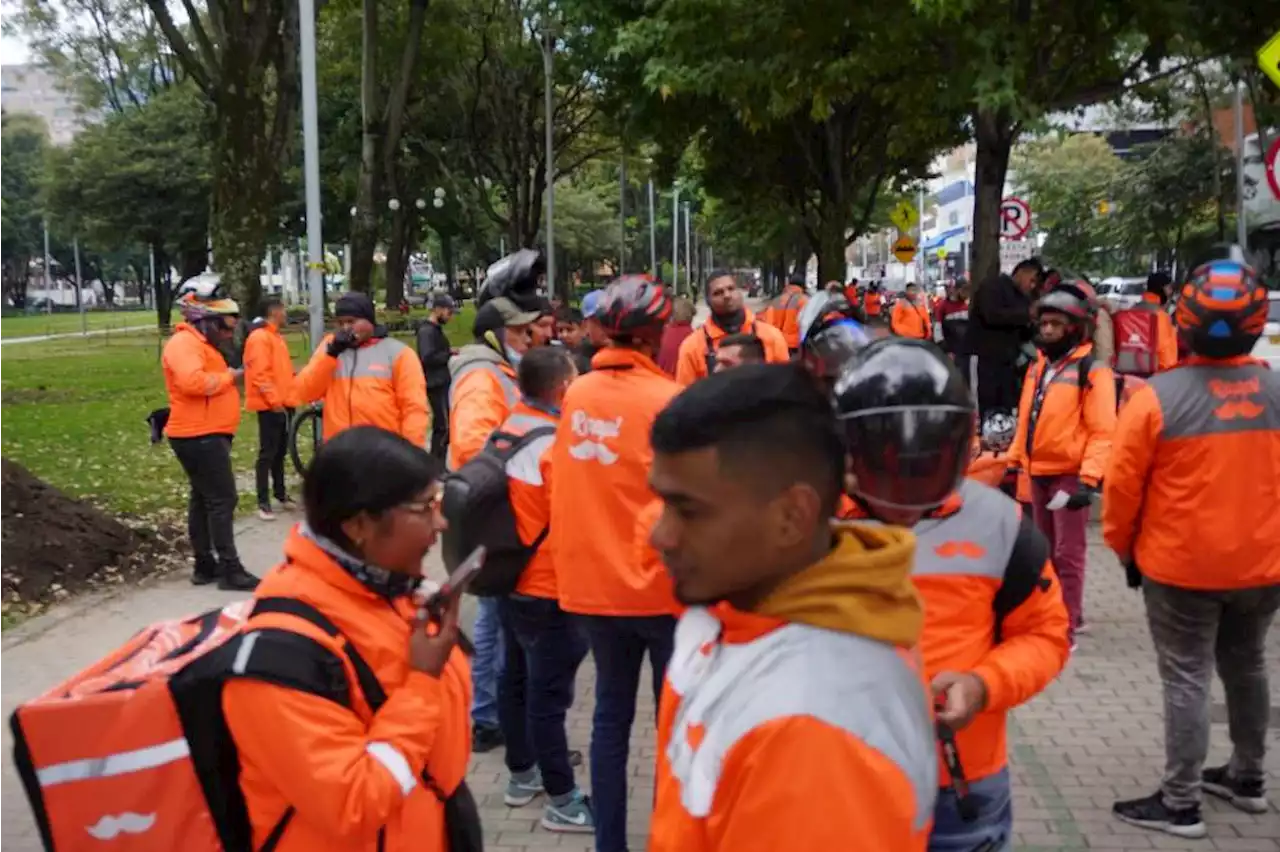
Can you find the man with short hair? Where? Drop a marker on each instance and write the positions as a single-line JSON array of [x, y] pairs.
[[1001, 324], [543, 329], [268, 384], [910, 316], [543, 646], [594, 338], [434, 350], [738, 349], [729, 315], [569, 329], [793, 688]]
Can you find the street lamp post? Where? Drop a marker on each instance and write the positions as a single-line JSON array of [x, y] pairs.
[[48, 276], [622, 214], [550, 164], [688, 254], [311, 169], [653, 237], [84, 319], [1242, 230], [675, 239]]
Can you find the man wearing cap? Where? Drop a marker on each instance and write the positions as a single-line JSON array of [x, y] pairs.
[[482, 394], [365, 377], [435, 351], [594, 338]]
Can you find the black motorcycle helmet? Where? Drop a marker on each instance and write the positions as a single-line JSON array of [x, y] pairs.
[[516, 277], [908, 420], [830, 333]]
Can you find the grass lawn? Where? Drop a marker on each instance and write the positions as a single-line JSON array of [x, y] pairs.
[[73, 413], [36, 325]]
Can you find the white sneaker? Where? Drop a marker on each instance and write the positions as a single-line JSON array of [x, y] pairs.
[[266, 514]]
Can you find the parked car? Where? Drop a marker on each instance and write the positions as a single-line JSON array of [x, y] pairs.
[[1120, 293], [1268, 346]]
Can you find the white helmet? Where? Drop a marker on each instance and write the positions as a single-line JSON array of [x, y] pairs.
[[998, 429], [203, 297]]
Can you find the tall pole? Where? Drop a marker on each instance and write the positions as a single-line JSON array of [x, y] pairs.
[[1242, 230], [622, 213], [311, 170], [84, 319], [920, 259], [653, 237], [48, 276], [675, 239], [688, 255], [549, 170], [152, 265]]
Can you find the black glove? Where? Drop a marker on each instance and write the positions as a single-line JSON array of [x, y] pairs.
[[1082, 499], [1132, 576], [341, 341]]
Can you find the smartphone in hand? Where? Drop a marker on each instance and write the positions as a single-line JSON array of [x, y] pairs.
[[458, 582]]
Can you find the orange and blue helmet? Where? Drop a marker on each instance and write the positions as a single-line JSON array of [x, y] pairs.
[[1222, 309]]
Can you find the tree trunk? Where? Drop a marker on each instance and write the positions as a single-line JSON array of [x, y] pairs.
[[995, 132], [162, 292], [245, 181], [398, 248], [829, 249], [446, 257], [364, 226]]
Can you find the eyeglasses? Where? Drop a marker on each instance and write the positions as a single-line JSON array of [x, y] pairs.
[[425, 507]]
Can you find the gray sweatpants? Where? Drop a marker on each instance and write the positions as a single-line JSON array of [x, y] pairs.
[[1192, 630]]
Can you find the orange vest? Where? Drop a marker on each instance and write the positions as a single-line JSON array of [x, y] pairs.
[[203, 399], [784, 314]]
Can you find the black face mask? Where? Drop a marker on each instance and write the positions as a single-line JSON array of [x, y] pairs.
[[731, 323], [1058, 349]]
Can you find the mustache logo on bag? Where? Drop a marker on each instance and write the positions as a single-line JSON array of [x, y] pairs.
[[967, 549], [110, 827]]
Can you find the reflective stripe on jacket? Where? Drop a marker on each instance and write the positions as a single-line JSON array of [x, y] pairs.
[[378, 383], [268, 371], [600, 464], [1063, 430], [762, 717], [203, 399], [692, 361], [482, 393], [784, 314], [1193, 485], [529, 489], [348, 773]]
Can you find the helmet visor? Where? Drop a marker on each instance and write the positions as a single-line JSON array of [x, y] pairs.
[[828, 350], [908, 457]]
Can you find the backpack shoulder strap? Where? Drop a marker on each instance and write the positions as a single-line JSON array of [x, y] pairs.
[[504, 445], [1083, 368], [1023, 575]]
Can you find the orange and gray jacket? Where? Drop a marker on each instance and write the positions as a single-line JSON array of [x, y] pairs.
[[1193, 484], [482, 392], [378, 383]]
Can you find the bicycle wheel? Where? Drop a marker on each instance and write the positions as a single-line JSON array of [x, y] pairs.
[[304, 437]]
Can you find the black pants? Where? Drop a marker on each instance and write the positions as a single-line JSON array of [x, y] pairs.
[[438, 399], [998, 385], [273, 438], [211, 508]]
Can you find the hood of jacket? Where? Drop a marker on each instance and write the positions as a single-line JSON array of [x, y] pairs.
[[473, 353], [863, 586]]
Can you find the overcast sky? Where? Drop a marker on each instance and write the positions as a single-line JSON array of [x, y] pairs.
[[12, 50]]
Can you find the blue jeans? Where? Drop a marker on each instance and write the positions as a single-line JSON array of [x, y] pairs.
[[992, 831], [486, 665], [618, 644], [544, 647]]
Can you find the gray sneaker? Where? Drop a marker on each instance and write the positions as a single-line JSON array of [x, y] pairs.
[[573, 816], [522, 791]]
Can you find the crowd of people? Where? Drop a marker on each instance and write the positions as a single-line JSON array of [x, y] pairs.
[[782, 512]]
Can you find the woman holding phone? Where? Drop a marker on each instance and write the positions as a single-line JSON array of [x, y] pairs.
[[377, 771]]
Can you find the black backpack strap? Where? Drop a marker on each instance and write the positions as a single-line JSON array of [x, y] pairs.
[[504, 445], [1084, 367], [1024, 573]]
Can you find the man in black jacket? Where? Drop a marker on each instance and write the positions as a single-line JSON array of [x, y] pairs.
[[434, 350], [1000, 323]]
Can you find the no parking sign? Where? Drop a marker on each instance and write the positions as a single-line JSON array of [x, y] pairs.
[[1272, 161], [1015, 218]]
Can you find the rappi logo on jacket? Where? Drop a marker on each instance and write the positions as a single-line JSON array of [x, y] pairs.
[[592, 433]]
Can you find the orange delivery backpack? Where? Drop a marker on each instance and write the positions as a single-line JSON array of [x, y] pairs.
[[133, 754]]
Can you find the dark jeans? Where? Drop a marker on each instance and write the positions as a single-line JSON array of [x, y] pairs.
[[1195, 631], [618, 644], [544, 647], [438, 399], [211, 508], [990, 831], [998, 385], [273, 438]]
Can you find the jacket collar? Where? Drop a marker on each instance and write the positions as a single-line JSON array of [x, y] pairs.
[[345, 570], [622, 358]]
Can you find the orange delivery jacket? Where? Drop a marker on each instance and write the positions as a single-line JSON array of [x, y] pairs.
[[784, 314], [600, 467], [1062, 429], [691, 362], [203, 399], [353, 778], [482, 392], [268, 371], [814, 704], [993, 607], [529, 490], [1193, 485], [378, 383], [873, 305], [911, 320]]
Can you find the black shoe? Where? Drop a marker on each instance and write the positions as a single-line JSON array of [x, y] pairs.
[[1248, 796], [204, 574], [238, 580], [575, 757], [485, 738], [1152, 813]]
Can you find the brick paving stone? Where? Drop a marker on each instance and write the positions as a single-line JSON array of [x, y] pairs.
[[1094, 735]]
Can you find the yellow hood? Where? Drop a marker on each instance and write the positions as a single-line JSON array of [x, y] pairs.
[[863, 586]]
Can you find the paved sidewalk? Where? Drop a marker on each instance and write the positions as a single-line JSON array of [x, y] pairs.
[[1094, 736]]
